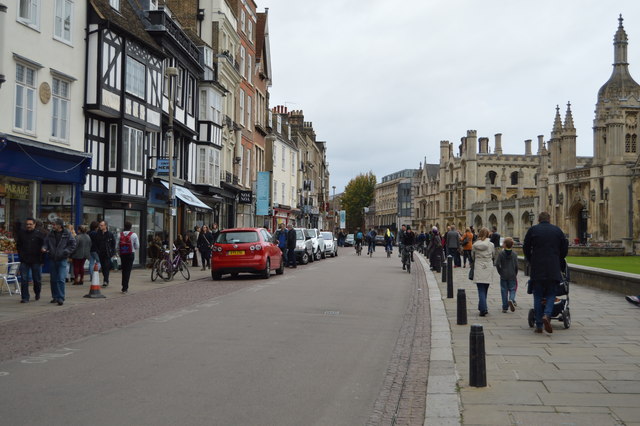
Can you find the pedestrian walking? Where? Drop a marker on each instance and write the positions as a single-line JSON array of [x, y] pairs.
[[30, 243], [128, 244], [194, 242], [467, 244], [59, 244], [495, 239], [483, 255], [106, 246], [205, 241], [545, 248], [80, 255], [93, 254], [507, 266], [291, 246], [281, 240], [452, 243]]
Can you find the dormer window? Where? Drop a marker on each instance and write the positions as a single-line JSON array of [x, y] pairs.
[[115, 4]]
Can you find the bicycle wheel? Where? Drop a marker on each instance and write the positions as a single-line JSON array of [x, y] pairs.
[[184, 270], [154, 270], [164, 270]]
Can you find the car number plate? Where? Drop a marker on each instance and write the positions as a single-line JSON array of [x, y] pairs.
[[235, 252]]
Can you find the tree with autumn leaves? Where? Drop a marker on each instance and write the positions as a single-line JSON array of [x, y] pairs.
[[359, 193]]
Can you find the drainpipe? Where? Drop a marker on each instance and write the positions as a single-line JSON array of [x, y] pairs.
[[3, 25]]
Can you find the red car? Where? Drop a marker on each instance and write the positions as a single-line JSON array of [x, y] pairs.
[[245, 250]]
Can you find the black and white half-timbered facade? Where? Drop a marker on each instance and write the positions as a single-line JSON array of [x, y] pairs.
[[123, 125]]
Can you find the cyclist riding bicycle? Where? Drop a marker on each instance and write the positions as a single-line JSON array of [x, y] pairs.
[[408, 240], [371, 240], [358, 237], [388, 241]]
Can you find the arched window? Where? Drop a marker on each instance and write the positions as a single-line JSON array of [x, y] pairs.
[[514, 178], [492, 177]]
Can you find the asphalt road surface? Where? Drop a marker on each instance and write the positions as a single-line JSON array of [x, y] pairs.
[[315, 346]]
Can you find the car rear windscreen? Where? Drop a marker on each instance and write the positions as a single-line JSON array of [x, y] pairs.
[[238, 237]]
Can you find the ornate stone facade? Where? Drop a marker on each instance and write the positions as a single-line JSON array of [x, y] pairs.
[[593, 199]]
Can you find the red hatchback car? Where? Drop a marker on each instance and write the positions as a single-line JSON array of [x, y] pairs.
[[245, 250]]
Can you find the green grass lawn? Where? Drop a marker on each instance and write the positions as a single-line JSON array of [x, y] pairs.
[[630, 264]]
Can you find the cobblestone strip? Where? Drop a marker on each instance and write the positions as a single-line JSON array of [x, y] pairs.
[[443, 406], [403, 396]]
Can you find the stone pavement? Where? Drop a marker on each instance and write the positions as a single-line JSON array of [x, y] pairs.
[[11, 308], [588, 374]]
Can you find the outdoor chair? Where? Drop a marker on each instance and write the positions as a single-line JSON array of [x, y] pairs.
[[10, 276]]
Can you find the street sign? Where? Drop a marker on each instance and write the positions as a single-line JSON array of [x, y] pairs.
[[162, 167]]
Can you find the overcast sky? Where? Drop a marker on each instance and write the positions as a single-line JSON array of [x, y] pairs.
[[384, 82]]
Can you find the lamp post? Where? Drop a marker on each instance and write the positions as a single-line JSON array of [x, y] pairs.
[[334, 208], [171, 72], [532, 216]]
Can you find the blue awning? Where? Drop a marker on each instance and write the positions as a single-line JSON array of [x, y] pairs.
[[33, 160]]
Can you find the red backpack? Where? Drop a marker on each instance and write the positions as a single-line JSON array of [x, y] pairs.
[[126, 246]]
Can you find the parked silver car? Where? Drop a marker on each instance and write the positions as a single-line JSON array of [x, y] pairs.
[[330, 244], [304, 246], [350, 240], [318, 243]]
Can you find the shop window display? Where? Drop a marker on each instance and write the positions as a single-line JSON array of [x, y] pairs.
[[56, 201]]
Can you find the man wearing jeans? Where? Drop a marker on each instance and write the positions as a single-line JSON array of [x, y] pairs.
[[59, 244], [30, 242], [545, 247]]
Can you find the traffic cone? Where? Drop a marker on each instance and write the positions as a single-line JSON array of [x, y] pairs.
[[94, 290]]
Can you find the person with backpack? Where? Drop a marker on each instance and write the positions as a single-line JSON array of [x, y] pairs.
[[128, 244], [358, 237], [371, 241]]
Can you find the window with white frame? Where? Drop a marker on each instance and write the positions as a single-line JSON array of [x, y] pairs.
[[249, 115], [243, 20], [242, 107], [250, 30], [132, 150], [179, 85], [25, 103], [62, 22], [60, 118], [279, 124], [113, 147], [201, 176], [208, 57], [216, 167], [284, 152], [190, 90], [203, 105], [243, 53], [115, 4], [136, 74], [249, 70], [217, 107], [29, 13], [283, 192], [275, 190], [247, 171], [293, 164]]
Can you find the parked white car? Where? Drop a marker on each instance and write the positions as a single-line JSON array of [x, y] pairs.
[[304, 246], [318, 243], [330, 244]]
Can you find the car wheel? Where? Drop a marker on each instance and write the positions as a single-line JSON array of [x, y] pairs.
[[280, 270], [267, 270], [318, 254], [304, 258], [234, 275], [324, 254], [216, 276], [335, 253]]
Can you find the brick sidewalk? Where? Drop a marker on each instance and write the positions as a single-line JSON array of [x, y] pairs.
[[11, 308], [588, 374]]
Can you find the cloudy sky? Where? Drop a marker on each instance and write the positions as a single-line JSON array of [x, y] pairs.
[[384, 82]]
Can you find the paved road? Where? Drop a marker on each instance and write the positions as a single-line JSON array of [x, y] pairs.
[[321, 345]]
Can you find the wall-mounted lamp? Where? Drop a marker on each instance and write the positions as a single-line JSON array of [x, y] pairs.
[[200, 15], [236, 160]]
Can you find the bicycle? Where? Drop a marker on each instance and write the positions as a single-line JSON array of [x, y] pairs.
[[154, 269], [406, 257], [370, 250], [359, 247], [167, 269], [388, 248]]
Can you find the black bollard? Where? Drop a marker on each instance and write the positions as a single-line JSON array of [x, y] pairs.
[[444, 270], [449, 277], [477, 363], [462, 307]]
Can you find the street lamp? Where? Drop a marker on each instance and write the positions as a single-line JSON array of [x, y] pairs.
[[171, 72], [532, 216], [585, 213]]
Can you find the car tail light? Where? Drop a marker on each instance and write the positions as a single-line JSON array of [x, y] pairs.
[[257, 247], [217, 248]]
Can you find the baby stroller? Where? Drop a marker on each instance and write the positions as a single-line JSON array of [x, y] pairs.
[[561, 305]]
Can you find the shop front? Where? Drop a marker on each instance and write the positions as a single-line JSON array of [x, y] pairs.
[[191, 211], [41, 181], [283, 214]]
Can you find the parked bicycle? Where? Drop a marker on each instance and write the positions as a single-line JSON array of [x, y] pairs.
[[359, 247], [166, 269]]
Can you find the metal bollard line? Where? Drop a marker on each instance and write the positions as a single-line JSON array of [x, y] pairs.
[[477, 362], [449, 277], [462, 307]]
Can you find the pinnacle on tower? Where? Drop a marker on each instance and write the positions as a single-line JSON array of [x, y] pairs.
[[557, 123], [568, 118]]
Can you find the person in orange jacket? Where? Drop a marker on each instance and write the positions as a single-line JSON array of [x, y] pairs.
[[466, 242]]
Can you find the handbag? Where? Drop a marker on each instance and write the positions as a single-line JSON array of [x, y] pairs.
[[471, 272]]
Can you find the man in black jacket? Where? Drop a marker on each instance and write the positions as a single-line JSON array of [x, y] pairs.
[[30, 242], [545, 247], [106, 246], [291, 246], [59, 244]]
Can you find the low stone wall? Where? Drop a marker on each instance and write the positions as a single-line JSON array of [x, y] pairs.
[[619, 282], [588, 251]]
